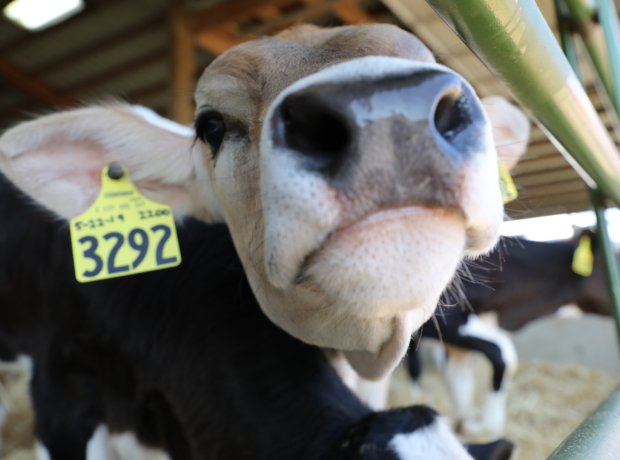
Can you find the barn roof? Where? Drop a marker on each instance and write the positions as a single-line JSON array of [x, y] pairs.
[[121, 49]]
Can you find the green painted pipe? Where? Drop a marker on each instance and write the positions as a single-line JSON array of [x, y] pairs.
[[581, 14], [611, 265], [512, 38], [608, 17], [598, 436], [567, 41], [609, 257]]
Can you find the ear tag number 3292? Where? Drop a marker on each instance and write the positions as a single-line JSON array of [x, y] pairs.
[[122, 233]]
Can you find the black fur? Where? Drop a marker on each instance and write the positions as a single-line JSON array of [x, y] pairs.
[[184, 357]]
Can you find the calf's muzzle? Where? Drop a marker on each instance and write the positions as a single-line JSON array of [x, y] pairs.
[[396, 141]]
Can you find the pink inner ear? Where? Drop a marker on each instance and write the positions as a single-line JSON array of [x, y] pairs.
[[64, 177]]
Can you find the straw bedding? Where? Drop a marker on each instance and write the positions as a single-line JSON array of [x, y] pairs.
[[18, 432]]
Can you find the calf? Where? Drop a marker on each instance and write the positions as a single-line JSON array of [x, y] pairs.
[[525, 281], [182, 363], [353, 171]]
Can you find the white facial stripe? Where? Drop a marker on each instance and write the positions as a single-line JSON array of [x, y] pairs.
[[153, 118], [436, 442]]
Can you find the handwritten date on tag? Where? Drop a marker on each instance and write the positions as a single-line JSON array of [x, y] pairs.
[[122, 233]]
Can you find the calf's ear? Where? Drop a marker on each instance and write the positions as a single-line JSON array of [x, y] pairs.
[[511, 129], [57, 159]]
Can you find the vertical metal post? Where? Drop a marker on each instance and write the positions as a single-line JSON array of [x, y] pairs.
[[567, 41], [608, 17], [609, 257], [581, 14]]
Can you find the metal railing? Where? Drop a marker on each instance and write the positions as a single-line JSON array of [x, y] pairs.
[[513, 40]]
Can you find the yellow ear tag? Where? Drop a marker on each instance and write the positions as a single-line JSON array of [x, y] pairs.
[[509, 191], [122, 233], [583, 259]]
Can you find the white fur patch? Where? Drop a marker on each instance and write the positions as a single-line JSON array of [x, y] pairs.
[[153, 118], [492, 419], [461, 381], [434, 442], [374, 394], [127, 447], [124, 446], [41, 452], [98, 447]]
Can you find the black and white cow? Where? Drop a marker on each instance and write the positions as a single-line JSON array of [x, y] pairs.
[[182, 363], [353, 172], [520, 283]]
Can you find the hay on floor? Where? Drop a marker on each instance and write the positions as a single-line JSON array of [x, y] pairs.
[[18, 431]]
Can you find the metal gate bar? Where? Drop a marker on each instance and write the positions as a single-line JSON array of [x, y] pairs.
[[598, 436], [598, 200], [512, 38], [581, 15], [514, 41], [608, 17]]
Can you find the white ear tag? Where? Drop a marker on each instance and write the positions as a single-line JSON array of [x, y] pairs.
[[122, 233]]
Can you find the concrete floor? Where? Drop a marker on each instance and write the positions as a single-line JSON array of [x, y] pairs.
[[589, 340]]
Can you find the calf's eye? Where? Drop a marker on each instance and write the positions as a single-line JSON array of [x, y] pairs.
[[210, 129]]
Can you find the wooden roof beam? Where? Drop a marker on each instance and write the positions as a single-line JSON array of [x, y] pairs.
[[217, 40], [182, 63], [218, 30], [33, 87], [225, 11], [351, 13], [310, 12]]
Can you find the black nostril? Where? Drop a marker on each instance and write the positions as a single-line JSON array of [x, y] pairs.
[[451, 115], [314, 129]]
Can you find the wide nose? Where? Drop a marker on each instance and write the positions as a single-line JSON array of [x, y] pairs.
[[327, 125]]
